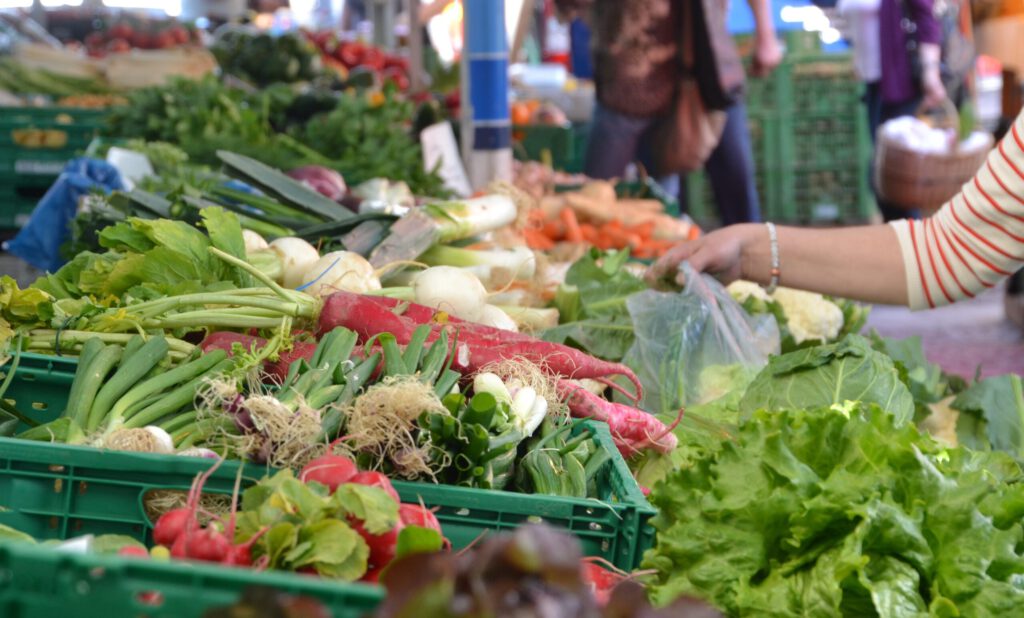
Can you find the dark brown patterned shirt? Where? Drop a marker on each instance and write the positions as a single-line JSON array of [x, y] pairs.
[[634, 43]]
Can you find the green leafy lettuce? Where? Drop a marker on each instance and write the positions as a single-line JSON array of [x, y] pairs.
[[149, 258], [592, 305], [840, 511], [849, 370], [992, 415]]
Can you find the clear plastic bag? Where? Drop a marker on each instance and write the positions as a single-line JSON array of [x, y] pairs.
[[696, 345]]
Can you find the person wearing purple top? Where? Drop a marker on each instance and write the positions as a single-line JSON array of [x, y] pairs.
[[897, 92]]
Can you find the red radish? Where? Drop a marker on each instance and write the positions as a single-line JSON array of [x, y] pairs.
[[632, 429], [208, 545], [179, 548], [479, 345], [418, 515], [134, 551], [330, 470], [382, 546], [601, 580], [171, 525], [376, 479], [373, 575]]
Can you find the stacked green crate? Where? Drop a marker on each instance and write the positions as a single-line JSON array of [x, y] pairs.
[[765, 98], [825, 145], [35, 144]]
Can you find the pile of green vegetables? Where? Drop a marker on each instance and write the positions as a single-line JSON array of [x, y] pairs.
[[363, 135], [263, 59], [841, 510]]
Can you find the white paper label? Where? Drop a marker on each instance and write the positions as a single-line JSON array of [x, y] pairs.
[[439, 144]]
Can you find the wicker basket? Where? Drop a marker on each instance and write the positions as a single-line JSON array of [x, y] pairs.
[[924, 181]]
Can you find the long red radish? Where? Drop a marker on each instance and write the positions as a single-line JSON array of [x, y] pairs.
[[478, 345], [633, 430]]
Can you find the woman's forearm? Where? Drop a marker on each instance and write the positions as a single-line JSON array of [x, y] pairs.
[[860, 263]]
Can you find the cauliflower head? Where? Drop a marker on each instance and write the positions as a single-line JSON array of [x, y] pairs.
[[742, 290], [809, 316]]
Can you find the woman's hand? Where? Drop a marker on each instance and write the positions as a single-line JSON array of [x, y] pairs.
[[720, 253], [934, 89]]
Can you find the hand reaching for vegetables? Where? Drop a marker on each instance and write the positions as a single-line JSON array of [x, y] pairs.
[[719, 253]]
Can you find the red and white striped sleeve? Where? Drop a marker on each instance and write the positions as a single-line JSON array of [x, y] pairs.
[[976, 239]]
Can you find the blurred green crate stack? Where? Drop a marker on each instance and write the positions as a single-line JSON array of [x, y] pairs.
[[35, 144], [809, 136], [563, 147], [824, 144]]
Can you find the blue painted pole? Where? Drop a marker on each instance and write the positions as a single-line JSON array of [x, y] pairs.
[[487, 128]]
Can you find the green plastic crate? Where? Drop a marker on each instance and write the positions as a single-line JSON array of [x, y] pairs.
[[565, 146], [57, 491], [41, 582], [39, 163], [40, 385], [28, 170]]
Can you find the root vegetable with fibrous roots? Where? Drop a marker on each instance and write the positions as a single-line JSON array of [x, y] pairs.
[[382, 423], [141, 440]]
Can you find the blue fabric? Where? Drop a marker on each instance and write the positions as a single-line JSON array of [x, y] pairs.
[[38, 243], [582, 62], [616, 140]]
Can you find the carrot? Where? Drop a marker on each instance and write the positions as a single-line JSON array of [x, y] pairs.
[[554, 229], [591, 235], [572, 225], [535, 218], [633, 240], [694, 233], [536, 239], [644, 230]]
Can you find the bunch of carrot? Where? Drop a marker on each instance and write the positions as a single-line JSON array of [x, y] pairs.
[[612, 234], [594, 215]]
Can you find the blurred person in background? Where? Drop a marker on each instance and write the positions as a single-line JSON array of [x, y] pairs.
[[634, 46], [887, 34]]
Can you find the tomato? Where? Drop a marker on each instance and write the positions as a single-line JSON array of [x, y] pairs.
[[164, 40], [398, 77], [95, 40], [520, 114], [373, 58], [120, 31], [396, 62], [350, 54], [118, 46], [142, 40], [179, 34]]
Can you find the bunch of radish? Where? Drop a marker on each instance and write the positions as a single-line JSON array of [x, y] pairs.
[[182, 536], [179, 531], [333, 471]]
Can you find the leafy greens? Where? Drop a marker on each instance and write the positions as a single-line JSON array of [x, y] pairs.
[[849, 370], [841, 511]]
